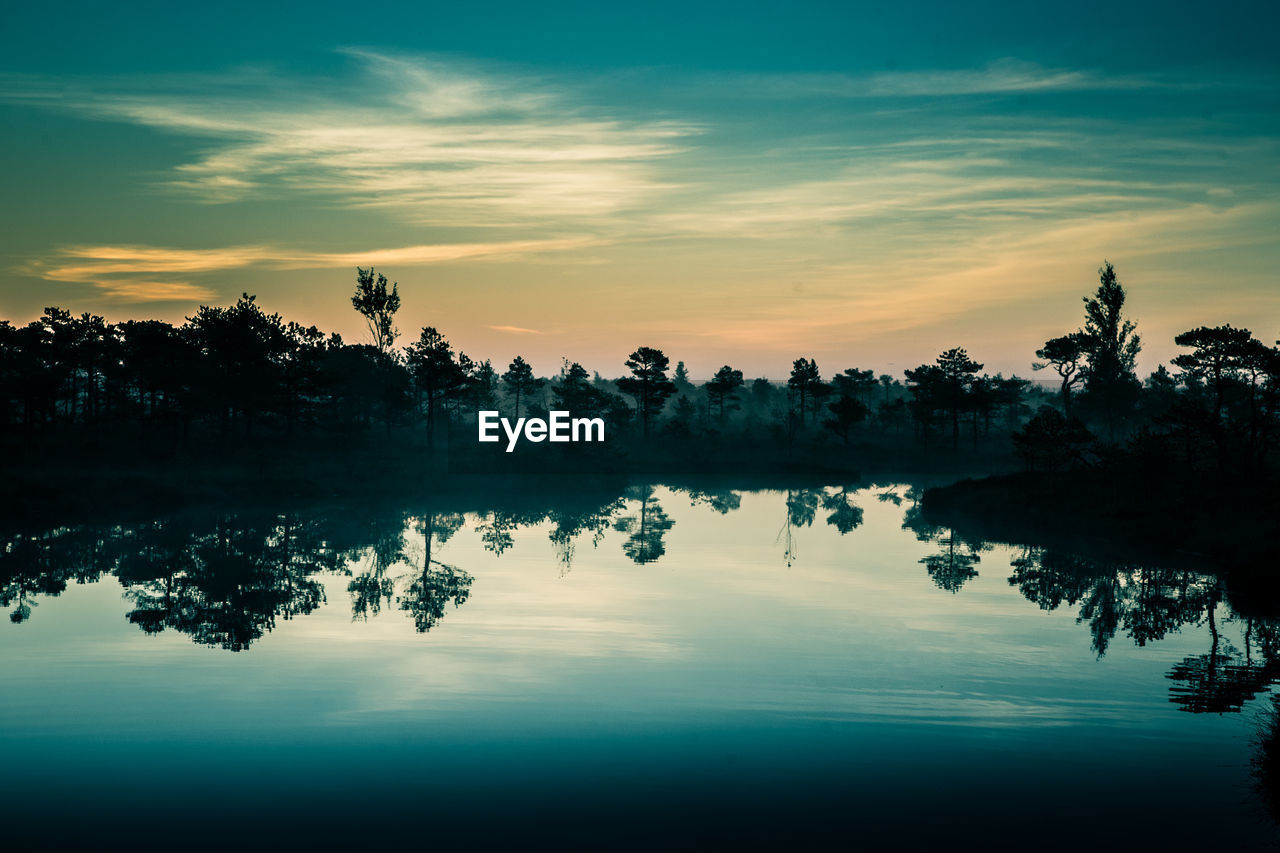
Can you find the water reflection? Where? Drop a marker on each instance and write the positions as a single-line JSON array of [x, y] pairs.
[[1147, 603], [818, 615], [953, 565], [844, 514], [224, 587], [1223, 680], [227, 579], [646, 525]]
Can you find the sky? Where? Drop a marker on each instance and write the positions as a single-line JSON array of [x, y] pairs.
[[866, 184]]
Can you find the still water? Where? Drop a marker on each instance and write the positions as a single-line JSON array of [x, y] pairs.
[[658, 668]]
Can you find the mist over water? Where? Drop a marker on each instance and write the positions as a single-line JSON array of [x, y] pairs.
[[657, 666]]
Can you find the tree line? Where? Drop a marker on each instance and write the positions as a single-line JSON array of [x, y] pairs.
[[240, 371]]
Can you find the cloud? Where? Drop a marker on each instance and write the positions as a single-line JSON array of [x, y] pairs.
[[154, 291], [1047, 264], [1007, 76], [127, 273], [899, 199], [440, 143], [414, 256]]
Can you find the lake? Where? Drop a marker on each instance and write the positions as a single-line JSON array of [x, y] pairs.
[[655, 667]]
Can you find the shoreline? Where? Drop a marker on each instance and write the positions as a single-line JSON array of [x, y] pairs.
[[60, 482], [1230, 527]]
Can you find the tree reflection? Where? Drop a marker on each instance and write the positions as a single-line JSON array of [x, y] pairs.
[[1147, 603], [953, 566], [722, 501], [844, 514], [497, 529], [226, 588], [373, 584], [1050, 578], [438, 584], [1223, 680], [226, 580], [571, 520], [646, 526], [801, 508], [33, 565]]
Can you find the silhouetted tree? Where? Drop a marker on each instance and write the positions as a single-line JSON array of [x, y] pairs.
[[762, 392], [1160, 394], [302, 357], [1112, 349], [1217, 355], [722, 389], [436, 373], [648, 384], [886, 384], [723, 502], [227, 587], [240, 369], [683, 416], [484, 387], [806, 383], [378, 306], [848, 409], [573, 391], [801, 508], [1065, 355], [520, 381], [1050, 440], [160, 361], [943, 387], [373, 584], [680, 378]]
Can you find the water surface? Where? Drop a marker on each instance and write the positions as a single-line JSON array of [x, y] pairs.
[[661, 667]]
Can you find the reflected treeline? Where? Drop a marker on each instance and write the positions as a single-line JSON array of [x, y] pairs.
[[954, 563], [227, 585], [225, 579], [1142, 602], [1146, 604], [801, 510], [426, 585]]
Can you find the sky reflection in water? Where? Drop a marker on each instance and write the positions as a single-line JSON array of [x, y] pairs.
[[787, 666]]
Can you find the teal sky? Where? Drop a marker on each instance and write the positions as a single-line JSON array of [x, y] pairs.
[[863, 183]]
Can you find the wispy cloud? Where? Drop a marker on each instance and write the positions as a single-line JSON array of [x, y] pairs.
[[132, 290], [931, 194], [1040, 267], [516, 330], [766, 211], [442, 144], [155, 273], [1006, 76]]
